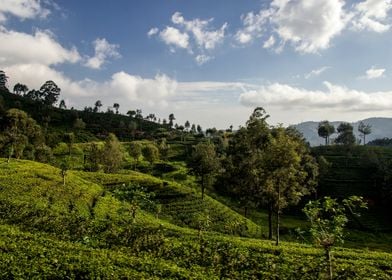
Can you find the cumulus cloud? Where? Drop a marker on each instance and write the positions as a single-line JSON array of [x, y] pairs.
[[372, 15], [152, 31], [42, 48], [174, 37], [316, 72], [334, 97], [103, 51], [196, 35], [374, 73], [254, 26], [201, 59], [23, 9], [310, 25]]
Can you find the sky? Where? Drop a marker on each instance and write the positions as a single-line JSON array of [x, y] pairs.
[[209, 62]]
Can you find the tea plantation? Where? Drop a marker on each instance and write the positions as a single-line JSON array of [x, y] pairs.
[[84, 230]]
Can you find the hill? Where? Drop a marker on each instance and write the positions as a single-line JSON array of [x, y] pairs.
[[82, 231], [381, 128]]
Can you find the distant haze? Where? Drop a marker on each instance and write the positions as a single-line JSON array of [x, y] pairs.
[[381, 128]]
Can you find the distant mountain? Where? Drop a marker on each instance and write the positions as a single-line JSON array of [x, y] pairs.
[[381, 128]]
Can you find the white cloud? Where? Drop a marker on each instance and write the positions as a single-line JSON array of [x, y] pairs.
[[308, 25], [196, 35], [23, 9], [103, 51], [372, 15], [333, 98], [269, 43], [205, 37], [173, 36], [254, 26], [316, 72], [153, 31], [201, 59], [41, 47], [311, 25], [374, 73]]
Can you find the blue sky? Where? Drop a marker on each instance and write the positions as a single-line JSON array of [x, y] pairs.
[[209, 62]]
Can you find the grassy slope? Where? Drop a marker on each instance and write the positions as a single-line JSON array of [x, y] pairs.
[[181, 205], [46, 240]]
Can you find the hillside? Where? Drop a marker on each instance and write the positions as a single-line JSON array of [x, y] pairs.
[[381, 128], [81, 231]]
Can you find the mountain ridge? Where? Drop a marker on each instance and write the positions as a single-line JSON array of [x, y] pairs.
[[381, 128]]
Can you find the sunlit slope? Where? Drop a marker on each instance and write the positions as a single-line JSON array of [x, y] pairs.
[[181, 205]]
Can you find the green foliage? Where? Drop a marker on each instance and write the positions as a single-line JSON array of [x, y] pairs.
[[204, 163], [328, 219], [346, 135], [112, 154], [325, 130], [151, 153]]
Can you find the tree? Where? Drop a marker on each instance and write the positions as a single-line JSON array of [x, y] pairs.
[[199, 129], [137, 196], [112, 155], [151, 153], [3, 80], [50, 92], [364, 129], [97, 105], [328, 219], [64, 167], [116, 106], [19, 88], [325, 130], [135, 151], [69, 139], [94, 157], [79, 124], [164, 149], [270, 167], [289, 173], [171, 119], [346, 135], [187, 125], [139, 114], [62, 104], [131, 113], [204, 164], [19, 129], [35, 95]]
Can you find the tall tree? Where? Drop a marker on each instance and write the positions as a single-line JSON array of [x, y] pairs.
[[204, 164], [346, 135], [325, 130], [171, 119], [50, 92], [131, 113], [187, 125], [116, 106], [151, 153], [97, 105], [3, 80], [364, 129], [135, 151], [62, 104], [112, 154], [19, 130], [20, 88]]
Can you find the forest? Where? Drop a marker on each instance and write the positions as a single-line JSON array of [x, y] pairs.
[[94, 194]]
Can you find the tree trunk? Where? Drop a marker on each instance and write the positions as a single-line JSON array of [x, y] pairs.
[[202, 187], [277, 217], [326, 140], [246, 211], [270, 221], [328, 256]]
